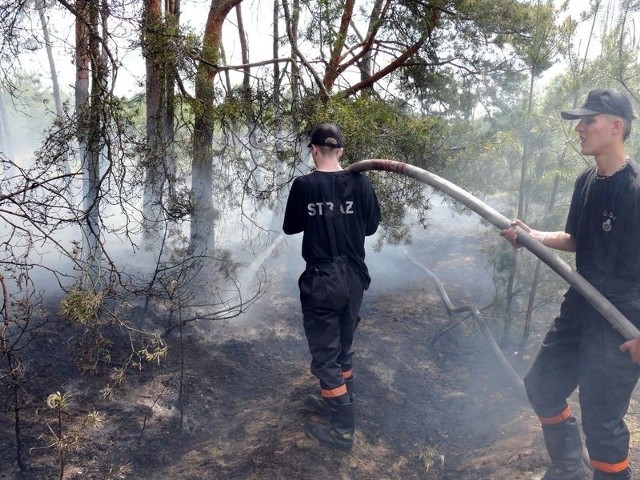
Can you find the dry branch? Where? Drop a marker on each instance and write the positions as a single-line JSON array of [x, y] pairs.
[[486, 331]]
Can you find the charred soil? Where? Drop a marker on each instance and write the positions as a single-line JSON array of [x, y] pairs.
[[430, 405]]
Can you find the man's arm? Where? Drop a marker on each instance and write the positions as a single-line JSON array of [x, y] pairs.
[[374, 216], [558, 240], [295, 214]]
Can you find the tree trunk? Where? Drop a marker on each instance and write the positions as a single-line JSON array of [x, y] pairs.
[[552, 201], [93, 255], [83, 69], [521, 211], [86, 136], [203, 212], [41, 7], [292, 20], [276, 53], [244, 52], [5, 135], [366, 64], [90, 91], [331, 73], [153, 48], [160, 161], [172, 10]]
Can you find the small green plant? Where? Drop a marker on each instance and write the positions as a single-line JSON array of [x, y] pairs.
[[64, 441], [154, 350], [430, 457]]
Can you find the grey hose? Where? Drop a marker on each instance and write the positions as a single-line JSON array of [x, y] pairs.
[[588, 291]]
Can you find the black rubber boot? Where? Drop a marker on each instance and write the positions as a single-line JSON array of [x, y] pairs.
[[341, 433], [318, 405], [349, 382], [565, 450], [600, 475]]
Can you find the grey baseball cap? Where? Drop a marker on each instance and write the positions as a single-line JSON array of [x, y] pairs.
[[603, 100]]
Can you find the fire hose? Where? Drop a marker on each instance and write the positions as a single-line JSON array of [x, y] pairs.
[[577, 281]]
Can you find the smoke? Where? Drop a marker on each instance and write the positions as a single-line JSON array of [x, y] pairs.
[[453, 246]]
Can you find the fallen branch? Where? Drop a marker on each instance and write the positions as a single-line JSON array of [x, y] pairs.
[[486, 331]]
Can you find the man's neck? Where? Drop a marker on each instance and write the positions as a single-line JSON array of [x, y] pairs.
[[612, 163], [327, 165]]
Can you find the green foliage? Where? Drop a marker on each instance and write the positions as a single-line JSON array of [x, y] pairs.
[[82, 306], [67, 435], [376, 129], [527, 29], [477, 54]]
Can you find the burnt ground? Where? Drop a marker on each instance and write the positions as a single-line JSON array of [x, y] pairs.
[[432, 401]]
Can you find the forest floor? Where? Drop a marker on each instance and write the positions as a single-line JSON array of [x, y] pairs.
[[432, 400]]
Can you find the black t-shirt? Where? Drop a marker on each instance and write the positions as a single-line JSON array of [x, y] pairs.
[[356, 215], [604, 219]]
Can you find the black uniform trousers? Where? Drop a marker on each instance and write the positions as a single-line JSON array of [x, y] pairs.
[[330, 330], [581, 349]]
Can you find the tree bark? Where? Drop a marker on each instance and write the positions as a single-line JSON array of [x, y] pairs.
[[366, 64], [87, 135], [93, 254], [153, 48], [159, 33], [331, 73], [172, 11], [244, 52], [203, 212], [41, 7], [276, 53]]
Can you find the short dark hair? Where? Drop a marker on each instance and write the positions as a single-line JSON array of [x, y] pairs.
[[627, 129]]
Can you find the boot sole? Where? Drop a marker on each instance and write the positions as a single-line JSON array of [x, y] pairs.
[[330, 441]]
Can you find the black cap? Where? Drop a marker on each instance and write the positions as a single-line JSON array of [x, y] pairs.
[[326, 135], [603, 100]]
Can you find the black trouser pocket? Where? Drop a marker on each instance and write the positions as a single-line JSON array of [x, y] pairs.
[[325, 286]]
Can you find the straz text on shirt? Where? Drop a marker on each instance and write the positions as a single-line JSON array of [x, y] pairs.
[[318, 208]]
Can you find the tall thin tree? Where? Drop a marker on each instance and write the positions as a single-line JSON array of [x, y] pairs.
[[203, 211]]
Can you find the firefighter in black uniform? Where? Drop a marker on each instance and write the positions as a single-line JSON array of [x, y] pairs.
[[581, 349], [335, 209]]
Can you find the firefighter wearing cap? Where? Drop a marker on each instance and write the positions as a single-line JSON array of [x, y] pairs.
[[332, 199], [581, 349]]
